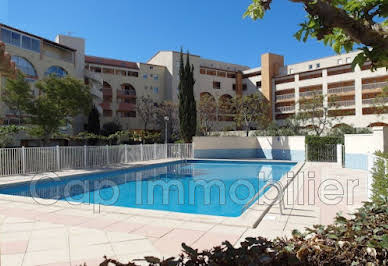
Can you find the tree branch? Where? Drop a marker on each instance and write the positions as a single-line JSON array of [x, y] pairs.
[[333, 17]]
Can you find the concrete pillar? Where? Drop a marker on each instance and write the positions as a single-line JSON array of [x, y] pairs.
[[297, 95], [358, 92], [324, 88], [339, 155]]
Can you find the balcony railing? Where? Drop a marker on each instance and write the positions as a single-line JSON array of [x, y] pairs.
[[285, 109], [285, 97], [342, 104], [341, 90], [372, 86], [126, 93], [375, 100], [310, 93]]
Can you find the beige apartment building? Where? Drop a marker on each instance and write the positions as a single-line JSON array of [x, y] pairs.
[[116, 84]]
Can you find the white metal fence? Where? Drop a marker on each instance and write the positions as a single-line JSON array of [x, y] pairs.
[[14, 161]]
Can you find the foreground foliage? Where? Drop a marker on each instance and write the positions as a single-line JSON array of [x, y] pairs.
[[380, 178], [362, 240], [342, 24]]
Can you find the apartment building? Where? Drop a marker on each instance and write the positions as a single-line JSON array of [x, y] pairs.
[[355, 90], [116, 85]]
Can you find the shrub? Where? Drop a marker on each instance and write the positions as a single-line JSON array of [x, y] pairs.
[[362, 240], [380, 178], [110, 128]]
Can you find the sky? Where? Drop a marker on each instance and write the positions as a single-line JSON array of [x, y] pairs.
[[134, 30]]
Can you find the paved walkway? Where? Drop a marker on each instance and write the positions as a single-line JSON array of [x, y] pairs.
[[61, 234]]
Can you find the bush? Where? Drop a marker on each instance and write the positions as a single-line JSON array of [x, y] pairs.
[[380, 178], [362, 240], [110, 128]]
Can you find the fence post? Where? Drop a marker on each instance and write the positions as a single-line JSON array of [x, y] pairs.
[[154, 151], [339, 155], [180, 150], [192, 150], [126, 153], [141, 151], [166, 146], [107, 154], [58, 159], [85, 156], [24, 159]]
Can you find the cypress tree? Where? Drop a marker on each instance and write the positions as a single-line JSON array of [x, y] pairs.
[[94, 121], [187, 104]]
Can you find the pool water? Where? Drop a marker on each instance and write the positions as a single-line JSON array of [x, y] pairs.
[[220, 188]]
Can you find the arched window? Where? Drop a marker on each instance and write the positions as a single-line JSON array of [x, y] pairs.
[[225, 104], [24, 66], [225, 108], [128, 89], [56, 70]]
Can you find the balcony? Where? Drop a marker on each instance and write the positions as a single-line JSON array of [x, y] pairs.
[[126, 107], [126, 93], [285, 97], [285, 109], [374, 86], [375, 101], [310, 93], [350, 103], [341, 90]]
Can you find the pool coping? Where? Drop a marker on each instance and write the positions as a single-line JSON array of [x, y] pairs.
[[248, 219]]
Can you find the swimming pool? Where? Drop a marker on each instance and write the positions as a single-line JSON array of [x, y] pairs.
[[220, 188]]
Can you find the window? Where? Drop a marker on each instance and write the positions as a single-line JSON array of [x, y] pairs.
[[202, 71], [108, 71], [156, 77], [151, 67], [26, 42], [216, 85], [20, 40], [146, 87], [56, 70], [318, 65], [156, 90], [5, 35], [128, 114], [291, 71], [244, 87], [258, 84], [121, 72], [348, 60], [95, 69], [133, 74], [211, 72], [24, 66], [35, 45], [339, 62], [234, 87], [310, 67], [15, 39], [145, 76]]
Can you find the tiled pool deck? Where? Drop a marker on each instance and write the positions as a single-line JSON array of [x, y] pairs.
[[64, 234]]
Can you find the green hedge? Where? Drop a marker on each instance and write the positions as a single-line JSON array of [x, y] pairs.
[[315, 140], [362, 240], [380, 178]]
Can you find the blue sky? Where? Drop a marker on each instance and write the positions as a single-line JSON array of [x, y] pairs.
[[134, 30]]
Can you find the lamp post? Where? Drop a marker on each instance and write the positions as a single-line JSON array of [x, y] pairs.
[[166, 119]]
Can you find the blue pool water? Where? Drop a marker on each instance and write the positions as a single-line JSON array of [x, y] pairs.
[[219, 188]]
